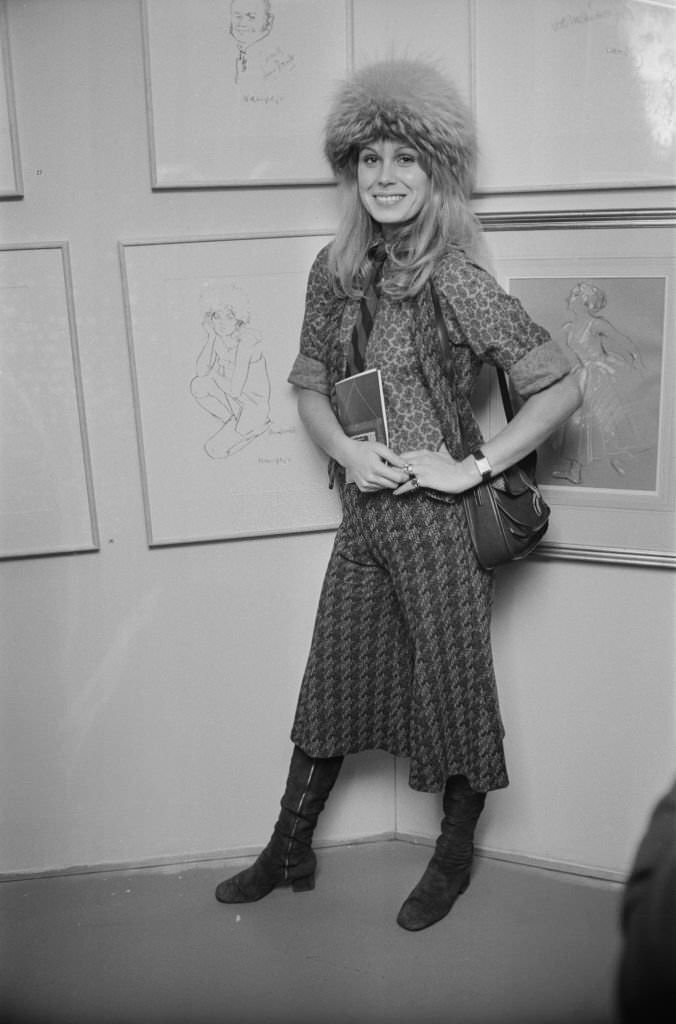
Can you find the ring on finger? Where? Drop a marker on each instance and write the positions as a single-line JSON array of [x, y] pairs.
[[415, 483]]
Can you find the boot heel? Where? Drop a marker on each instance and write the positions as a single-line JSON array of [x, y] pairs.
[[305, 884]]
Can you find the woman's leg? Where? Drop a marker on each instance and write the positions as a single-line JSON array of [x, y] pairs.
[[448, 873], [288, 859]]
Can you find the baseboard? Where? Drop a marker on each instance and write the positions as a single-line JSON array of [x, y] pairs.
[[178, 863], [514, 857]]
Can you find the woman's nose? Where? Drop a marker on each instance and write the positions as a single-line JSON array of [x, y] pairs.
[[387, 171]]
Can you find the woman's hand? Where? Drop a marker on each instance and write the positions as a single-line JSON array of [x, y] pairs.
[[438, 470], [373, 466], [535, 421]]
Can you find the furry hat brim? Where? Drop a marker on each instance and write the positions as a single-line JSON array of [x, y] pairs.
[[408, 100]]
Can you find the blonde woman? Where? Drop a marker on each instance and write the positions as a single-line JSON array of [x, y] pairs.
[[400, 658]]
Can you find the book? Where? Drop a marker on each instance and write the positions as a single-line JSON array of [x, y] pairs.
[[361, 406]]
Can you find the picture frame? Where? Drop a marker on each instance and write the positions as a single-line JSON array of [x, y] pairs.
[[604, 287], [236, 89], [47, 502], [214, 327], [590, 99], [11, 180]]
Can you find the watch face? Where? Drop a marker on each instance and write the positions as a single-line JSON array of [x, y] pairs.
[[482, 464]]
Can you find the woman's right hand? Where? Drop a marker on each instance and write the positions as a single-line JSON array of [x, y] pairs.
[[373, 466], [370, 465]]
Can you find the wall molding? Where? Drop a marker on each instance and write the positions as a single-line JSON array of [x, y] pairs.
[[174, 863]]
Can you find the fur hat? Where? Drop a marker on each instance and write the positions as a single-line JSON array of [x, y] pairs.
[[409, 100]]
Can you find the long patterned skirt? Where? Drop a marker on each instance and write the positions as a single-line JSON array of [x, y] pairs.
[[401, 655]]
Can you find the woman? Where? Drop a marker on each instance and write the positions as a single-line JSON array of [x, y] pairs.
[[401, 655]]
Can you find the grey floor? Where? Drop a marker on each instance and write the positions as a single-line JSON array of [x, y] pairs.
[[152, 946]]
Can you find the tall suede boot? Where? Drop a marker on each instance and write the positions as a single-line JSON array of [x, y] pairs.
[[448, 872], [288, 859]]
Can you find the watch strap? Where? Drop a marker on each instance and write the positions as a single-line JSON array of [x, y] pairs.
[[482, 464]]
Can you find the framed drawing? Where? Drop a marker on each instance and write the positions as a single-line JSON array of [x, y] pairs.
[[236, 89], [11, 183], [214, 326], [606, 293], [591, 96], [46, 493]]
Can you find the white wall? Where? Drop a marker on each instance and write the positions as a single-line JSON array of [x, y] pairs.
[[144, 710], [585, 663]]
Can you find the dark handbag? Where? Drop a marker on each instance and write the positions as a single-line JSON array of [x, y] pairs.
[[507, 515]]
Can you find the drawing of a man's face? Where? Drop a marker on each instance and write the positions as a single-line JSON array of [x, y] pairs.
[[250, 20]]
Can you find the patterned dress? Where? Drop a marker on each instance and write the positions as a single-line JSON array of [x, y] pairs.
[[401, 658]]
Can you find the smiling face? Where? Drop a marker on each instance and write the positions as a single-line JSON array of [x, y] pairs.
[[250, 20], [393, 185], [224, 321]]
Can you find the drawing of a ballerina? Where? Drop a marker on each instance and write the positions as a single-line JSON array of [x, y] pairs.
[[232, 381], [608, 425]]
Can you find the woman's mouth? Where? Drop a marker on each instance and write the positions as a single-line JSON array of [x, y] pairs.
[[389, 199]]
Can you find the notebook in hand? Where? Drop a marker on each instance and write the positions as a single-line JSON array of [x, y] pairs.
[[361, 406]]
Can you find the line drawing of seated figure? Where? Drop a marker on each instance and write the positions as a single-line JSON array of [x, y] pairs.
[[232, 381], [607, 426]]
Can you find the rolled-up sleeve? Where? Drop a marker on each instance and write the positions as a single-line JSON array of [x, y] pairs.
[[309, 373], [309, 369], [497, 328], [539, 368]]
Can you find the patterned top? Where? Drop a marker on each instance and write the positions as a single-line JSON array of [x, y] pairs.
[[401, 657], [485, 325]]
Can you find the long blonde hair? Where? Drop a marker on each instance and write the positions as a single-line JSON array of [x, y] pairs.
[[445, 220], [408, 101]]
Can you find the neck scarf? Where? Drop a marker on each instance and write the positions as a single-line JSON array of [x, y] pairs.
[[367, 310]]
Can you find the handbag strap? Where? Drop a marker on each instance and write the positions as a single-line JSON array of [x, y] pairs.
[[445, 346]]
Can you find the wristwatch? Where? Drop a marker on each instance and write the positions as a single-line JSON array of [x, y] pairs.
[[482, 464]]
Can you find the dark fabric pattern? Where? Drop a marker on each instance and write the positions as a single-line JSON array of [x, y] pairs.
[[484, 323], [413, 422], [401, 657], [367, 312]]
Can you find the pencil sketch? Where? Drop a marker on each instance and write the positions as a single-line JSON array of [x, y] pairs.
[[612, 424], [251, 21], [650, 35], [236, 88], [46, 491], [213, 328], [232, 382], [613, 126]]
